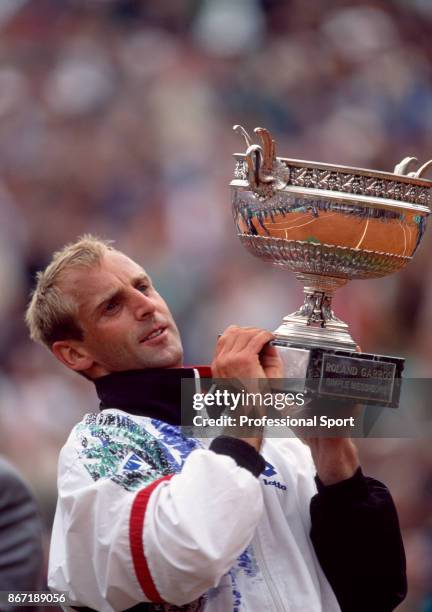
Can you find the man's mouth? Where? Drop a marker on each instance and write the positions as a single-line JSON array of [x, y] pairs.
[[154, 334]]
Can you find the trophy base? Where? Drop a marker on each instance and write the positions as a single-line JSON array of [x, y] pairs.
[[334, 374], [333, 336]]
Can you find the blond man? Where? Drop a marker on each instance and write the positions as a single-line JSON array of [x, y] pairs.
[[150, 519]]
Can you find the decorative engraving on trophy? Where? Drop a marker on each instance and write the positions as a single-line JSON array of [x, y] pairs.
[[240, 170], [316, 309], [284, 173], [303, 177], [354, 184], [395, 190], [315, 258], [330, 180], [423, 197], [411, 194], [375, 187]]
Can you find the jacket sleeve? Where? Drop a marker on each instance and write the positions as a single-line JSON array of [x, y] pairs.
[[115, 545], [356, 535]]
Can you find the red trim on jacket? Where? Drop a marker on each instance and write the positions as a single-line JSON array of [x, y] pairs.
[[205, 371], [136, 524]]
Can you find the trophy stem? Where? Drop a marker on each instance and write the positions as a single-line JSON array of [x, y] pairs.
[[315, 324]]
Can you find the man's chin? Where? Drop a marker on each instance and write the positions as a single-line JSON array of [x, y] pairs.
[[169, 361]]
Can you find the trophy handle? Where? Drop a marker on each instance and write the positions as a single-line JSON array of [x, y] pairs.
[[422, 169], [265, 172], [402, 168], [239, 129], [253, 158], [269, 149]]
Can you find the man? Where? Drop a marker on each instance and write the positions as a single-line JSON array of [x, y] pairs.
[[149, 519], [21, 555]]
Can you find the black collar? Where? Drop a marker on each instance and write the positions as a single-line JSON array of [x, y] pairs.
[[155, 393]]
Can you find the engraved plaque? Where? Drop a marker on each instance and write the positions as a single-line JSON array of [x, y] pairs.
[[363, 379]]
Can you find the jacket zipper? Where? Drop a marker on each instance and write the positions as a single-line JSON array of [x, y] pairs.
[[276, 598]]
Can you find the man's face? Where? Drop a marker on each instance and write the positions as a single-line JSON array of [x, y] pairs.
[[126, 323]]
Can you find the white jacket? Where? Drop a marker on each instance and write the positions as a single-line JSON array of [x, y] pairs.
[[145, 514]]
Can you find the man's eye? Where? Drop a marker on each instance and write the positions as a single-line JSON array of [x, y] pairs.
[[111, 306], [143, 288]]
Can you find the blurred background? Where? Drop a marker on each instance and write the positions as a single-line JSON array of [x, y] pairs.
[[116, 118]]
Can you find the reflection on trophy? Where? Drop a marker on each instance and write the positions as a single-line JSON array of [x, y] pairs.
[[329, 224]]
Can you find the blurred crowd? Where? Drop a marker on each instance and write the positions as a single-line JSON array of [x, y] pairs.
[[115, 119]]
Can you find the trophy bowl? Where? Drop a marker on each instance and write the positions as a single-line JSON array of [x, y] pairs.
[[328, 224]]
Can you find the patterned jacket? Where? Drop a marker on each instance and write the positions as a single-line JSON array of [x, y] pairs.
[[150, 519]]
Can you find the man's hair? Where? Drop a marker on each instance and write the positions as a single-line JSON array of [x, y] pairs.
[[52, 314]]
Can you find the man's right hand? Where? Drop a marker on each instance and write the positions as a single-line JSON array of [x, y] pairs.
[[245, 353]]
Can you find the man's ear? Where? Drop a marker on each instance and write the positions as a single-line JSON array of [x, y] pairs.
[[72, 355]]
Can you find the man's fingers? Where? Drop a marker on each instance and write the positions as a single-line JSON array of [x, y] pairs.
[[226, 340], [269, 350], [243, 338], [237, 339], [252, 341], [238, 352], [258, 340]]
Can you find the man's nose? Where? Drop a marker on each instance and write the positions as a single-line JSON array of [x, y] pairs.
[[143, 306]]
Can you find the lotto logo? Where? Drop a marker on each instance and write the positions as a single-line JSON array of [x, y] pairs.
[[269, 470], [275, 483]]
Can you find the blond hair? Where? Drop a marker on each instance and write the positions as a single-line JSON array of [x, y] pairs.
[[52, 314]]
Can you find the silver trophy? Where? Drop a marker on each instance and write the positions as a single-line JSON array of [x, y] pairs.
[[329, 224]]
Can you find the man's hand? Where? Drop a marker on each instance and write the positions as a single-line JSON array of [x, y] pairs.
[[244, 353], [335, 459]]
